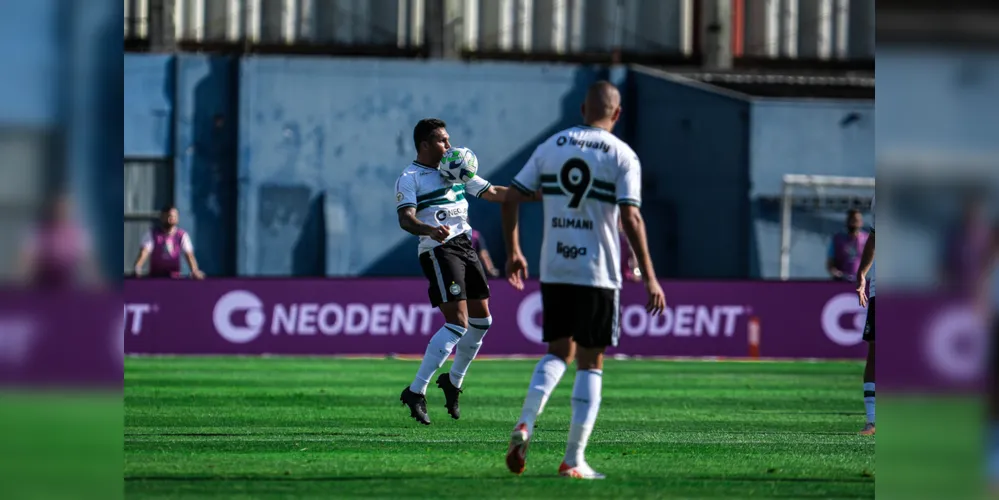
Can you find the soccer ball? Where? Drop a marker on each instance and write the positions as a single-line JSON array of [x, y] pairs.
[[459, 165]]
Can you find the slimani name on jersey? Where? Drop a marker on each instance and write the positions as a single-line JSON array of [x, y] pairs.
[[570, 223]]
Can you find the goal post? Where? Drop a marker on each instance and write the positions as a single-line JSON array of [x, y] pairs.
[[818, 184]]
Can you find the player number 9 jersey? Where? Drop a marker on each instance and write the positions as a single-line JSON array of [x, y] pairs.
[[583, 173]]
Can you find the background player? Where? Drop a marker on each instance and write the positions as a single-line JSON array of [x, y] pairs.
[[585, 173], [437, 212], [867, 266]]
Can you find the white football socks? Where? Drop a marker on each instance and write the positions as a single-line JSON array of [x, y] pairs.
[[468, 347], [585, 406], [869, 401], [547, 374], [438, 350]]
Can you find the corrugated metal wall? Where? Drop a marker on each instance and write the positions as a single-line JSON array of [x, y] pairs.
[[823, 29]]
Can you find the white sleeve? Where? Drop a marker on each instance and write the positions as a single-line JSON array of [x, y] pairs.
[[528, 181], [629, 180], [477, 186], [405, 192], [185, 243], [147, 241]]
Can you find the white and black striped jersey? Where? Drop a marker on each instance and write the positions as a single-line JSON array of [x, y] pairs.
[[437, 202], [584, 173]]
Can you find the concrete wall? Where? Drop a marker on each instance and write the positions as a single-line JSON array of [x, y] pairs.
[[803, 137], [322, 142], [285, 166], [693, 144], [946, 142], [148, 105], [58, 117]]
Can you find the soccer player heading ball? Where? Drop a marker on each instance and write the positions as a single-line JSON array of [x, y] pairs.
[[435, 209], [588, 179]]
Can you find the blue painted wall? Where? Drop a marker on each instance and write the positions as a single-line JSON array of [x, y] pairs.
[[206, 122], [285, 166], [149, 105], [937, 104], [321, 143], [62, 80], [31, 58], [803, 137], [693, 144]]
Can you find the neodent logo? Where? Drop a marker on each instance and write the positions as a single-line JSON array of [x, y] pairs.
[[844, 305], [252, 310], [240, 317], [956, 345], [134, 316], [678, 321]]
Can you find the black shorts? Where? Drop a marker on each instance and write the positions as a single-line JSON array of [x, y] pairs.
[[869, 326], [589, 315], [454, 272]]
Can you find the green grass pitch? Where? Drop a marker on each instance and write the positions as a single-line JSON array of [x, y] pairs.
[[334, 428]]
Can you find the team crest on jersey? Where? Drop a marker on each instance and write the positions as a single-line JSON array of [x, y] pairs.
[[398, 197], [455, 289]]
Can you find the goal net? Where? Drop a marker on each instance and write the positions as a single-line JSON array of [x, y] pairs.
[[818, 193]]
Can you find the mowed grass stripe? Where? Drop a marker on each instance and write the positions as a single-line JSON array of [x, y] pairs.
[[280, 427]]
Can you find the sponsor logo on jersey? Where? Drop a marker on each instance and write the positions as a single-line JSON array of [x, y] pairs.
[[443, 214], [569, 252], [601, 145], [570, 223]]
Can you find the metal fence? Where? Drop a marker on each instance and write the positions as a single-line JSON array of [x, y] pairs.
[[792, 29]]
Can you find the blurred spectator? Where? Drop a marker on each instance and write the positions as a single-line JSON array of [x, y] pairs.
[[58, 253], [846, 247], [967, 250], [163, 246], [629, 263], [479, 245]]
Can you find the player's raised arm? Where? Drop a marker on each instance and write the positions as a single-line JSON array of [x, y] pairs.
[[481, 188]]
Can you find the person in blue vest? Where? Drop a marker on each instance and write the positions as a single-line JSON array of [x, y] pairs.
[[845, 249]]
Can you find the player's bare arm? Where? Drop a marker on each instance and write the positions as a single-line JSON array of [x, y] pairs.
[[495, 194], [634, 227], [409, 223], [866, 261], [516, 264]]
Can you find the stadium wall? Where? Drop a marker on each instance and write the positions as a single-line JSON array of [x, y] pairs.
[[148, 106], [692, 140], [817, 137], [295, 158], [321, 142]]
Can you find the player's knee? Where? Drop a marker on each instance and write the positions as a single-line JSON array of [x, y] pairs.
[[478, 308], [564, 349], [455, 315], [589, 359]]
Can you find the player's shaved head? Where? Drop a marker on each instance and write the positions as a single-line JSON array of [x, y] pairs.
[[602, 105]]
